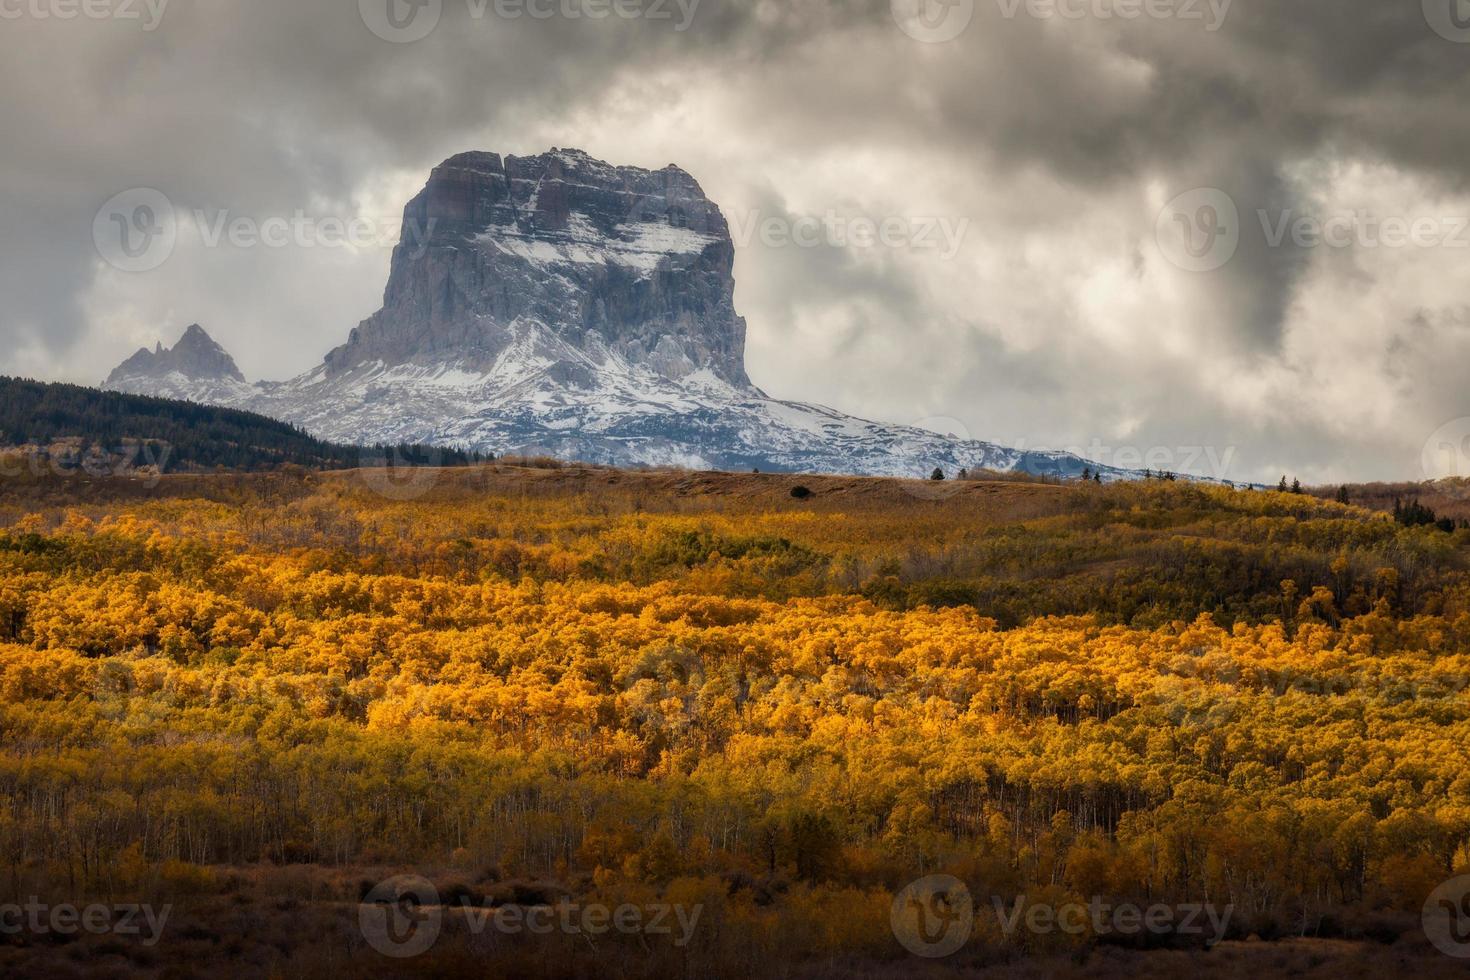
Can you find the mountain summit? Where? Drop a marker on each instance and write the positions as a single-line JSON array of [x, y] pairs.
[[608, 262], [561, 305], [196, 357]]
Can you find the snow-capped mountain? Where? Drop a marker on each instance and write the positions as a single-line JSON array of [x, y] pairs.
[[196, 368], [559, 305]]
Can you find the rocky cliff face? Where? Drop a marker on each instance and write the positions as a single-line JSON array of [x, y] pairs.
[[605, 260]]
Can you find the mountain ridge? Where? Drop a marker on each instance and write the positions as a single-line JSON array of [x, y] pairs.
[[196, 356], [560, 305]]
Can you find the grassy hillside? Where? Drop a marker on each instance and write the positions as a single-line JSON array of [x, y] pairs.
[[71, 426]]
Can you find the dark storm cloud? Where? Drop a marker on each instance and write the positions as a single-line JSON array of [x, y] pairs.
[[1034, 127]]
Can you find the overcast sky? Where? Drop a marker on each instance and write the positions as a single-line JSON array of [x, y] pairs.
[[1037, 167]]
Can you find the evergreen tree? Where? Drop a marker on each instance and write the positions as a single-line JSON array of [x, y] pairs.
[[938, 474], [1415, 514]]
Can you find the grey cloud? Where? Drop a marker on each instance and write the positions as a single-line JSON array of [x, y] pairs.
[[272, 106]]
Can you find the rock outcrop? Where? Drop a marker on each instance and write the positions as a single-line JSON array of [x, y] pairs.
[[618, 260]]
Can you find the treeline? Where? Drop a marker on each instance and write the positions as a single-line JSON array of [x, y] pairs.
[[134, 431]]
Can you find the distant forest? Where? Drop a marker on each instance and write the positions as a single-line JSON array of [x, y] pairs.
[[40, 414]]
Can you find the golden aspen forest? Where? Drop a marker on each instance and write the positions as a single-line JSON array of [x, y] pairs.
[[255, 697]]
